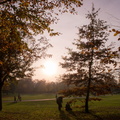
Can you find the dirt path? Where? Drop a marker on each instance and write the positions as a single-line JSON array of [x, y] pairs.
[[39, 100], [32, 100]]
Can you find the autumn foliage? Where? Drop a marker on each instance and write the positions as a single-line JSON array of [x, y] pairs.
[[20, 22], [89, 67]]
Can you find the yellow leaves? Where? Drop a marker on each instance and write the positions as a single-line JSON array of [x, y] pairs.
[[25, 4], [95, 99], [85, 52], [95, 48], [116, 32], [109, 70], [54, 34], [1, 62], [82, 52]]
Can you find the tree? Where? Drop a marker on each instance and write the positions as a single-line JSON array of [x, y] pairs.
[[88, 67], [16, 57], [40, 86], [25, 86], [20, 21]]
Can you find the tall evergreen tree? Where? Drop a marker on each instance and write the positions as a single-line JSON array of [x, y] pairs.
[[88, 66]]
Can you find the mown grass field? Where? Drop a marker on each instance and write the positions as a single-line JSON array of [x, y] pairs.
[[29, 97], [107, 109]]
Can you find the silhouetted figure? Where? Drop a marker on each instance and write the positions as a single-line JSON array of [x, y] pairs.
[[19, 97], [59, 101], [67, 107], [15, 100]]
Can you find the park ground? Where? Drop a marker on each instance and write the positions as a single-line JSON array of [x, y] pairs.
[[44, 107]]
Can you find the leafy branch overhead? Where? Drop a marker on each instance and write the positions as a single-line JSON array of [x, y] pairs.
[[37, 15], [21, 20], [116, 33]]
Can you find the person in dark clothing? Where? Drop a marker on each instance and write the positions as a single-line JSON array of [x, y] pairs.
[[15, 100], [19, 97], [59, 101], [67, 107]]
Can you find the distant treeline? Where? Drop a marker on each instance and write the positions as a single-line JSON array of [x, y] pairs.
[[29, 86]]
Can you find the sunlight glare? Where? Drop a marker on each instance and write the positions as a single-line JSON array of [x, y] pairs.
[[50, 68]]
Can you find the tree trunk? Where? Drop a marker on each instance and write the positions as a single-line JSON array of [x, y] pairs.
[[0, 98], [88, 90], [87, 97], [89, 83], [90, 68]]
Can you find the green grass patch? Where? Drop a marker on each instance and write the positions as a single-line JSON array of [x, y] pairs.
[[107, 109]]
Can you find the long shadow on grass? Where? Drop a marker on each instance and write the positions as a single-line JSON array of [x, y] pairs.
[[11, 103], [67, 115], [96, 116], [63, 116]]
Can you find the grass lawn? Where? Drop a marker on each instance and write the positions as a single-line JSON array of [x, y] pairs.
[[29, 97], [107, 109]]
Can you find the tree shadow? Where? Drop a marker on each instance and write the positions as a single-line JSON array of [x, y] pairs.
[[11, 103], [77, 115], [96, 116], [68, 115], [63, 116], [72, 113]]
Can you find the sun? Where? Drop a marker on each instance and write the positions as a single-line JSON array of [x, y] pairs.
[[50, 68]]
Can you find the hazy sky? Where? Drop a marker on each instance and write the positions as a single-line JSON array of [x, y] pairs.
[[67, 25]]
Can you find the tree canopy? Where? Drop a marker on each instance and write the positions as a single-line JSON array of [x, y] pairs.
[[20, 22]]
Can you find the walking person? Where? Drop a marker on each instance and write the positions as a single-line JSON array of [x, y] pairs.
[[15, 100], [59, 101], [19, 97]]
